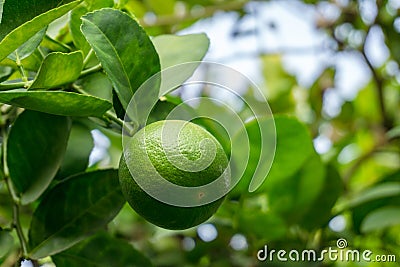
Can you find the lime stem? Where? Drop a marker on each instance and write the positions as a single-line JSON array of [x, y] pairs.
[[91, 70]]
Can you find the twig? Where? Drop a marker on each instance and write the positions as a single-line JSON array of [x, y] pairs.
[[387, 122], [91, 70]]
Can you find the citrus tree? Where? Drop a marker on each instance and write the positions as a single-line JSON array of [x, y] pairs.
[[86, 91]]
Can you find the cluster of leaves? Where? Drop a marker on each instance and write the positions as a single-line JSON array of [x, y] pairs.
[[58, 85], [55, 91]]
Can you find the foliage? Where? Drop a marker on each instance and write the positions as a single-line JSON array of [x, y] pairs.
[[60, 204]]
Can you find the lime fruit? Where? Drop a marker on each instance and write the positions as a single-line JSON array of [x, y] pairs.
[[182, 153]]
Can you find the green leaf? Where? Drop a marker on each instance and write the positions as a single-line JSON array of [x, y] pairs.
[[57, 102], [123, 48], [279, 84], [97, 85], [73, 210], [267, 226], [80, 145], [16, 13], [388, 189], [365, 104], [58, 69], [380, 219], [161, 7], [75, 22], [292, 197], [319, 214], [160, 111], [28, 47], [255, 160], [75, 29], [379, 196], [18, 36], [114, 253], [293, 147], [5, 73], [136, 8], [174, 50], [98, 4], [6, 243], [35, 148], [393, 133], [117, 105]]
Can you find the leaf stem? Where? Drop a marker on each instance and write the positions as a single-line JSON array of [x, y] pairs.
[[41, 52], [17, 85], [87, 58], [20, 67], [18, 228], [111, 116], [91, 70]]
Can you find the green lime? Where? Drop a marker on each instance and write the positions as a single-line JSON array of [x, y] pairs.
[[184, 154]]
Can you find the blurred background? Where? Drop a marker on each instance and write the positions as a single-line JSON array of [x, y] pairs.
[[334, 66]]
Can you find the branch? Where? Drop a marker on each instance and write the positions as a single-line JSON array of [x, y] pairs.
[[387, 122]]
